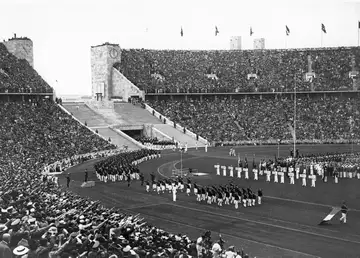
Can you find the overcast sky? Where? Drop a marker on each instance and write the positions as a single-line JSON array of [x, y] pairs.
[[63, 31]]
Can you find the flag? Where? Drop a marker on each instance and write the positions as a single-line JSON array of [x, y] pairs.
[[251, 32], [287, 30], [323, 28], [332, 213], [359, 25], [181, 32], [216, 31]]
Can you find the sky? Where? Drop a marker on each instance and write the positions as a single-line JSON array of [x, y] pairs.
[[63, 31]]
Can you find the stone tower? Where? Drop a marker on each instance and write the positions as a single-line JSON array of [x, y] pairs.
[[103, 58], [108, 83], [22, 48]]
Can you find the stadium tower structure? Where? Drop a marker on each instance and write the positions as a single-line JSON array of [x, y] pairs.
[[115, 108], [22, 48]]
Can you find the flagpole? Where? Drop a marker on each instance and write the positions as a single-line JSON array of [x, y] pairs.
[[295, 119], [322, 38], [181, 163]]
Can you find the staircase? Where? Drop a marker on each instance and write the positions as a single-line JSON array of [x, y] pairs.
[[117, 139], [128, 114], [95, 120], [134, 114], [85, 114], [178, 135]]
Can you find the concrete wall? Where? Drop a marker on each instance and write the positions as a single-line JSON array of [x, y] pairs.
[[150, 131], [21, 48], [122, 87]]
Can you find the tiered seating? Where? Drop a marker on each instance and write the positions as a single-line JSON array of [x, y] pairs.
[[18, 76], [325, 119], [38, 219], [227, 71]]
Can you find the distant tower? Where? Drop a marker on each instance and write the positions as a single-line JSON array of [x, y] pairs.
[[103, 58], [108, 83], [259, 43], [235, 43], [22, 48]]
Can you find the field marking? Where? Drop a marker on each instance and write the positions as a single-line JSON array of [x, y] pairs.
[[266, 224], [157, 204], [310, 227], [233, 236], [271, 197], [304, 202], [144, 206]]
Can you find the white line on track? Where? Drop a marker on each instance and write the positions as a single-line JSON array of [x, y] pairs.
[[267, 224], [144, 206], [232, 236], [243, 213], [303, 202]]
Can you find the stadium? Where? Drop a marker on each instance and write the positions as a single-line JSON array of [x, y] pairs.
[[183, 153]]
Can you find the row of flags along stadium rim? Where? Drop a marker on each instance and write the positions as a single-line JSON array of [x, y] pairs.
[[287, 30]]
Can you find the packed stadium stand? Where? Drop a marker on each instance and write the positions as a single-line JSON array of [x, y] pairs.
[[39, 219], [318, 119], [157, 71], [17, 75]]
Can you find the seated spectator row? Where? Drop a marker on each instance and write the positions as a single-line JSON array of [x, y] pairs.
[[38, 219], [229, 71], [17, 75], [253, 119]]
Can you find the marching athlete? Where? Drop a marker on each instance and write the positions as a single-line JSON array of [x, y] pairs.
[[344, 210]]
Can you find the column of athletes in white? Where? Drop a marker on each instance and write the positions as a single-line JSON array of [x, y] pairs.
[[240, 172]]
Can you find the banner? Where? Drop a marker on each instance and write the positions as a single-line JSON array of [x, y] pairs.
[[333, 212]]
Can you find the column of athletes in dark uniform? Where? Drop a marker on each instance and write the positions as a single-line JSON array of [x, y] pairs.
[[124, 165], [293, 169], [221, 194]]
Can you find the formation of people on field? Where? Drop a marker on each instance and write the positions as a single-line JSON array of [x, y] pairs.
[[155, 143], [287, 170], [266, 120], [219, 194], [172, 71], [123, 166]]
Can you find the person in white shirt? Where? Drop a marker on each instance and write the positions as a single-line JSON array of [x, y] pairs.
[[199, 246], [230, 253]]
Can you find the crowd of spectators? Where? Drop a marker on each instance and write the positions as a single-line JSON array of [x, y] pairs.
[[164, 71], [252, 119], [38, 219], [153, 142], [17, 75]]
